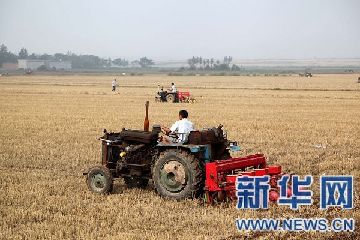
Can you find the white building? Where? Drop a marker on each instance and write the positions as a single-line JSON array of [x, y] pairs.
[[50, 65], [30, 64], [59, 65]]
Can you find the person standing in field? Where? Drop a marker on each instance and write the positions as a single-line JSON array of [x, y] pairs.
[[113, 84]]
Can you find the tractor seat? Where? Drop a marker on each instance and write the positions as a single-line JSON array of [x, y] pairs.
[[139, 136], [206, 136]]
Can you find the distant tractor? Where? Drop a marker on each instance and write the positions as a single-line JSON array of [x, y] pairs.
[[28, 71], [307, 74], [183, 97]]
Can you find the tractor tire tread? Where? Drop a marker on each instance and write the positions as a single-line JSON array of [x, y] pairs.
[[108, 189], [197, 169]]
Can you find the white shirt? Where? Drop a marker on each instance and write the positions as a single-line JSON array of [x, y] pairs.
[[173, 89], [113, 83], [184, 127]]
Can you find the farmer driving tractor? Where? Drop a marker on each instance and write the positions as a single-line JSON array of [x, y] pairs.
[[179, 131], [173, 95], [195, 164], [173, 88]]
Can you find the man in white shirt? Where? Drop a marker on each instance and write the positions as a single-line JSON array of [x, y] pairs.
[[113, 84], [173, 88], [181, 128]]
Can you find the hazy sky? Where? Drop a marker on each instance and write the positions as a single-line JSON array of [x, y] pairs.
[[179, 29]]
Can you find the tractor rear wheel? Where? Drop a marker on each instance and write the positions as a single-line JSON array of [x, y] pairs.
[[170, 98], [178, 175], [135, 182], [99, 180]]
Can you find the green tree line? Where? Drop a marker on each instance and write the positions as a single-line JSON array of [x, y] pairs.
[[208, 64], [77, 61]]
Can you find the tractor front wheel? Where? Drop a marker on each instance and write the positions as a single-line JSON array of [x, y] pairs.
[[178, 175], [170, 98], [99, 180]]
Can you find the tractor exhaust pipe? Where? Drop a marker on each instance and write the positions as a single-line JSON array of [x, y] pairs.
[[146, 121]]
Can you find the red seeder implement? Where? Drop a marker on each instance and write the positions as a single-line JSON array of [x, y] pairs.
[[220, 182]]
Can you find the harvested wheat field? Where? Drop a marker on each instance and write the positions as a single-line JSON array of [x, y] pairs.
[[50, 125]]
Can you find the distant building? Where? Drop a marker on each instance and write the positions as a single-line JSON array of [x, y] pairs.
[[9, 66], [30, 64], [59, 65], [50, 65]]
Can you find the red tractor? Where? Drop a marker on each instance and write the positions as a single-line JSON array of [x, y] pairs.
[[202, 167], [183, 97]]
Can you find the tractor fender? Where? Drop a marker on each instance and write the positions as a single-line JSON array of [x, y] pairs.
[[191, 148]]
